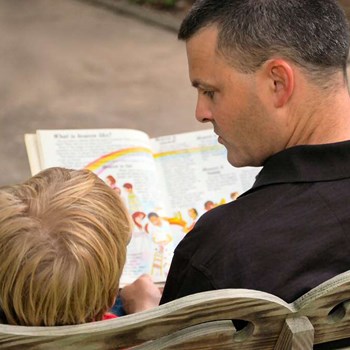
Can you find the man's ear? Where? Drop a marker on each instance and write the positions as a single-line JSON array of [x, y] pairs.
[[281, 78]]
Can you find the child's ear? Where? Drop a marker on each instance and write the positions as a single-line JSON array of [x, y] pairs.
[[280, 76]]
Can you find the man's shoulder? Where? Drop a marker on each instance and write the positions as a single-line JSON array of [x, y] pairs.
[[212, 227]]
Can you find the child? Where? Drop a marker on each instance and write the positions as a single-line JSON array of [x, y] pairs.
[[63, 238]]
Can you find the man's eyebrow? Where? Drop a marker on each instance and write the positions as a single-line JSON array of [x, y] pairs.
[[197, 83]]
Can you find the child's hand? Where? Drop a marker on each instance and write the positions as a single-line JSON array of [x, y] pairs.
[[140, 295]]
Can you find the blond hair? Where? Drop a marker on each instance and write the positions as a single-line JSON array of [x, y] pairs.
[[63, 238]]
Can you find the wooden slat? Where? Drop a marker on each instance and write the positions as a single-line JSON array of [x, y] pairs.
[[207, 336], [318, 303], [202, 321], [297, 334], [189, 311]]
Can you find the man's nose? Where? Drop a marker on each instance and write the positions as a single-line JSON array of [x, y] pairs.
[[203, 112]]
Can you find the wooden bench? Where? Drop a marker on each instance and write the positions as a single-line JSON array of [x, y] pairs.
[[203, 321]]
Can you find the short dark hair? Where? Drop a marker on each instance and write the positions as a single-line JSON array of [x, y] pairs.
[[312, 34]]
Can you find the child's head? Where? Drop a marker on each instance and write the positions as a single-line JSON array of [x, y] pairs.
[[63, 238]]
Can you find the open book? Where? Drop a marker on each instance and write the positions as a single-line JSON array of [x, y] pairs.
[[166, 182]]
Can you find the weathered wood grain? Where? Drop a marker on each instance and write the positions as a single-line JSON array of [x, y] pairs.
[[203, 321], [297, 334]]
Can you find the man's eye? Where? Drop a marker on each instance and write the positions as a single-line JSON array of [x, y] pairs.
[[210, 94]]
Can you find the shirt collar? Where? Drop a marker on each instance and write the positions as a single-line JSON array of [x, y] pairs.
[[306, 163]]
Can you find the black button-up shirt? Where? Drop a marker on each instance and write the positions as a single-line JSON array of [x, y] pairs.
[[286, 235]]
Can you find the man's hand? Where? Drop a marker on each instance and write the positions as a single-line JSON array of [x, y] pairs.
[[140, 295]]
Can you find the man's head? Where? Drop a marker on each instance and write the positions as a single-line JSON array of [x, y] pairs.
[[250, 61], [63, 237], [312, 34]]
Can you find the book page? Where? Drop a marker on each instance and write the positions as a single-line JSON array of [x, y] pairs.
[[197, 176], [30, 141], [167, 183], [123, 159]]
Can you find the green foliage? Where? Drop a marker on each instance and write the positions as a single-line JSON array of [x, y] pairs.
[[169, 2]]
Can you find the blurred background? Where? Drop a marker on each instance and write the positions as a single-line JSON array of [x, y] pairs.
[[91, 64], [72, 64]]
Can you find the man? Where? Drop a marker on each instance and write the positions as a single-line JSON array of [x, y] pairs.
[[271, 78]]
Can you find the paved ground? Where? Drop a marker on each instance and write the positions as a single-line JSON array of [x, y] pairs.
[[68, 64]]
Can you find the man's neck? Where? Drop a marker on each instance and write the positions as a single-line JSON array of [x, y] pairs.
[[324, 120]]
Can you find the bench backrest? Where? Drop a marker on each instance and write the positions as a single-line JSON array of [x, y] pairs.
[[203, 321]]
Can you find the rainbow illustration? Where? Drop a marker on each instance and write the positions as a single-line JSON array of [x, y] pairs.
[[101, 163], [188, 150]]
